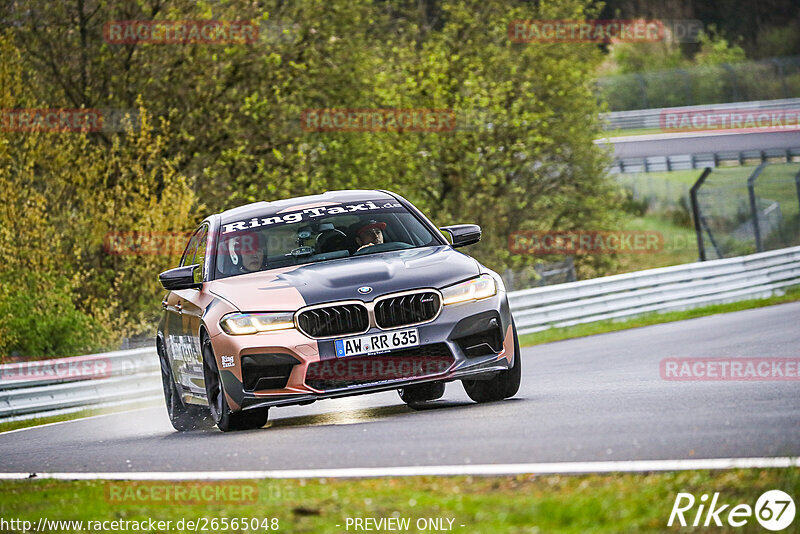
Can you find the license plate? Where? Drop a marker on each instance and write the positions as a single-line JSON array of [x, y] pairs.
[[376, 343]]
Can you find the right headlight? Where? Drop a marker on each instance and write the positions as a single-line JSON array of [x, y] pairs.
[[480, 287], [237, 324]]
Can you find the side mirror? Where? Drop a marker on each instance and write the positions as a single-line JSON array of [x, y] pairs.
[[463, 234], [180, 278]]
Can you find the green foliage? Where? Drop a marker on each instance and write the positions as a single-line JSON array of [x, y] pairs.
[[715, 49], [64, 193], [38, 318], [222, 125]]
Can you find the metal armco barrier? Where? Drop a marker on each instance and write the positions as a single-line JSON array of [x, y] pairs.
[[49, 387], [682, 162], [133, 375], [651, 118], [656, 290]]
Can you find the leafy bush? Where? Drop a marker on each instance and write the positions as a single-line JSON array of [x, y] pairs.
[[39, 319]]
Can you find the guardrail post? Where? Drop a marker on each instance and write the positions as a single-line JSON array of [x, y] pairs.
[[751, 190], [696, 212]]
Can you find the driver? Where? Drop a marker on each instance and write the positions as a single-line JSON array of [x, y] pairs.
[[247, 252], [370, 233]]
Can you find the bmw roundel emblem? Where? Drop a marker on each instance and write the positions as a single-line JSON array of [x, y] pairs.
[[364, 290]]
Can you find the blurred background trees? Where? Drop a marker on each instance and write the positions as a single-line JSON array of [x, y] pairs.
[[220, 126]]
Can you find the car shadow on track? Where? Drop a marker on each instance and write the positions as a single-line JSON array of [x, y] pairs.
[[363, 415], [348, 417]]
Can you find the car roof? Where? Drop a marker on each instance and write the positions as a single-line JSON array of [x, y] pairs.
[[260, 209]]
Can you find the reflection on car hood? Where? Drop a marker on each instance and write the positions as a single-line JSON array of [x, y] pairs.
[[387, 272]]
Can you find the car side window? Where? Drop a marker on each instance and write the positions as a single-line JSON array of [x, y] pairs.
[[200, 255], [191, 249]]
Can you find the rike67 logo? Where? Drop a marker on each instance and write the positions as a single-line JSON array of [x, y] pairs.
[[774, 510]]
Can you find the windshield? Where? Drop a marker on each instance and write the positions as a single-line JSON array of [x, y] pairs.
[[316, 234]]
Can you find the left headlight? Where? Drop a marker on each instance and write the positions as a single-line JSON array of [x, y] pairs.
[[237, 324], [481, 287]]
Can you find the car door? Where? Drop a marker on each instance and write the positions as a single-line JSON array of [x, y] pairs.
[[178, 348], [191, 311]]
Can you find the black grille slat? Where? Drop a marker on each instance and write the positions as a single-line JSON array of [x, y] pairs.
[[336, 320], [407, 309]]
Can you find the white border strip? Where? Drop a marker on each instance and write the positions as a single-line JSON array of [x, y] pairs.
[[77, 419], [633, 466]]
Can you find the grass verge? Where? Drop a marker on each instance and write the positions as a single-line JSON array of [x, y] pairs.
[[522, 503], [792, 294]]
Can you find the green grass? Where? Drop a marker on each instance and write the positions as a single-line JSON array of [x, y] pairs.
[[631, 131], [679, 245], [523, 503], [792, 294]]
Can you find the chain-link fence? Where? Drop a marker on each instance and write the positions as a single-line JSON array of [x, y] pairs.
[[654, 192], [705, 84], [744, 210], [542, 274]]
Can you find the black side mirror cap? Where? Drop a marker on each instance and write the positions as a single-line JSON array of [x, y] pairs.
[[463, 234], [180, 278]]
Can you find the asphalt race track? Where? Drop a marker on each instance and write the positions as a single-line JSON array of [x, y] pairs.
[[671, 144], [592, 399]]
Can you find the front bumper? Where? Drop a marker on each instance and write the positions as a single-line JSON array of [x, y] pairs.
[[478, 336]]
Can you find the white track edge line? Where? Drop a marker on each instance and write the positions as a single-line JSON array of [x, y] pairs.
[[33, 427], [623, 466]]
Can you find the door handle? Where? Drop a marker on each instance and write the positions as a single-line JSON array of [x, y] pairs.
[[164, 304], [179, 308]]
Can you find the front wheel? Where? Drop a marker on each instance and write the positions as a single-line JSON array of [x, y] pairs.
[[183, 416], [225, 419], [503, 385]]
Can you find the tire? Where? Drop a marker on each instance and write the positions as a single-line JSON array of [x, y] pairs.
[[225, 419], [420, 393], [183, 416], [503, 385]]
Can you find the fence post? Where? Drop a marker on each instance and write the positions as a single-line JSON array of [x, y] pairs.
[[778, 64], [696, 212], [643, 87], [751, 190], [687, 84], [797, 186], [734, 85]]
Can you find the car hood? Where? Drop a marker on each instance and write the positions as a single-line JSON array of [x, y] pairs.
[[387, 272]]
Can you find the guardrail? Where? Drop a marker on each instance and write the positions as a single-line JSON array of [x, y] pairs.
[[656, 290], [53, 387], [132, 376], [651, 118], [681, 162]]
